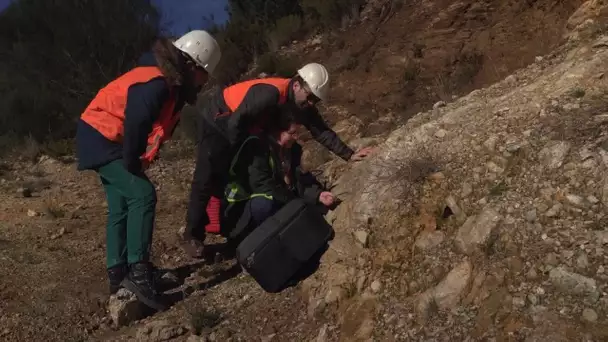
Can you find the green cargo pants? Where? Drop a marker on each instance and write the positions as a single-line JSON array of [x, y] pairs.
[[131, 210]]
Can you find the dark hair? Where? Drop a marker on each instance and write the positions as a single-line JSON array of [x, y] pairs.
[[170, 61], [285, 119], [299, 79], [175, 66]]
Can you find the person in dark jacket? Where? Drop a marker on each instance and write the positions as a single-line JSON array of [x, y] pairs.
[[241, 109], [120, 133], [264, 175]]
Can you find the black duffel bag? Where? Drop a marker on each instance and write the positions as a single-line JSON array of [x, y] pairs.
[[286, 247]]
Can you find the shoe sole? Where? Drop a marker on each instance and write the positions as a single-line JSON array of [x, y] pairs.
[[129, 285]]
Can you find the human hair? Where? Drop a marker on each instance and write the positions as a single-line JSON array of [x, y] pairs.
[[285, 119], [171, 62], [176, 66], [299, 79]]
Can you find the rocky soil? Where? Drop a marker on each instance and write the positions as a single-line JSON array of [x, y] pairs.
[[406, 55], [480, 219], [484, 217]]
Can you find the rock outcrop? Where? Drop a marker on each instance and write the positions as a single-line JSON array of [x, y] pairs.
[[523, 160]]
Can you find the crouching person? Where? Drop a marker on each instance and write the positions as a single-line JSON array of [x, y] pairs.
[[264, 175]]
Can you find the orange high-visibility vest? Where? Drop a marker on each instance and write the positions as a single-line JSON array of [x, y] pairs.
[[106, 113], [235, 94]]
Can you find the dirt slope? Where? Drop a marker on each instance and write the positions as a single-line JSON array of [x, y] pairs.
[[518, 256], [407, 55], [482, 220]]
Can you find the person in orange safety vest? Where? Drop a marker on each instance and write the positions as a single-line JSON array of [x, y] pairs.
[[243, 109], [119, 135]]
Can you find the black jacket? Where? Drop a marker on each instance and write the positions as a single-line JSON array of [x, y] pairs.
[[258, 175], [261, 102], [255, 172]]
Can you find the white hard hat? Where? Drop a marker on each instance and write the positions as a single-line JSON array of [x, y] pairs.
[[317, 78], [201, 47]]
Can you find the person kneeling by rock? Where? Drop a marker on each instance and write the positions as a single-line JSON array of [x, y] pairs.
[[264, 175], [230, 117]]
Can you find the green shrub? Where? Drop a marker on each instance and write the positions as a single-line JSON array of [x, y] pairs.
[[329, 13], [578, 92], [274, 65], [86, 44], [286, 29], [59, 148], [470, 63]]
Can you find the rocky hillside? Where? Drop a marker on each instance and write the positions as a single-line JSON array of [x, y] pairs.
[[404, 56], [479, 219], [482, 219]]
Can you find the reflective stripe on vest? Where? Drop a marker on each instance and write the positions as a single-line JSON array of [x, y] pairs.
[[235, 94], [234, 191], [106, 112]]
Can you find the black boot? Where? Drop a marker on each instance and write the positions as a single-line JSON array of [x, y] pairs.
[[140, 281], [115, 275]]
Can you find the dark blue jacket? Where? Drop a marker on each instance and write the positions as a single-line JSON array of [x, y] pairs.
[[144, 103]]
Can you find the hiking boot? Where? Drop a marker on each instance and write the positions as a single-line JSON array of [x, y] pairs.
[[140, 281], [115, 276], [193, 247], [229, 249]]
